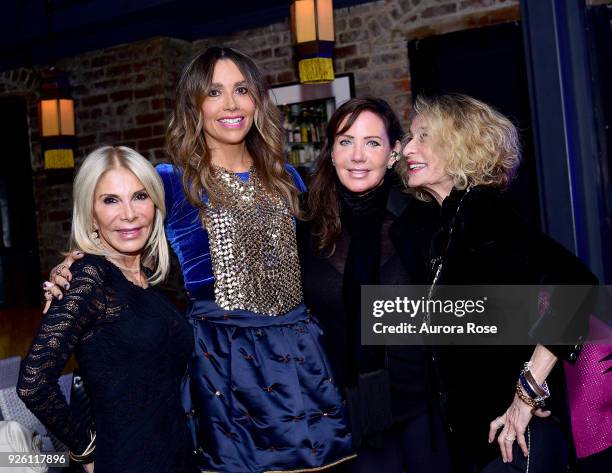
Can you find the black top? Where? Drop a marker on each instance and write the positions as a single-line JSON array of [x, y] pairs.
[[132, 347], [331, 283], [491, 244]]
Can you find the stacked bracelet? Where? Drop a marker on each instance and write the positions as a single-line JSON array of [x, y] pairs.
[[87, 455], [525, 398], [541, 390], [529, 391]]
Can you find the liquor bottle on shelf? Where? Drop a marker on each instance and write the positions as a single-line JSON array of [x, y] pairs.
[[304, 127], [287, 128]]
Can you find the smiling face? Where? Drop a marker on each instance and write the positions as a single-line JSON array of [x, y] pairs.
[[227, 109], [361, 153], [426, 167], [123, 212]]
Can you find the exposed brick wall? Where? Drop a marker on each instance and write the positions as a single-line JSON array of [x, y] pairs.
[[371, 41], [123, 95]]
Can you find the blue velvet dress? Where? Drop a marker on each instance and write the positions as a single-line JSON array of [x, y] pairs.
[[261, 396]]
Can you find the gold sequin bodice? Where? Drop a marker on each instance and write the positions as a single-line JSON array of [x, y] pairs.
[[253, 248]]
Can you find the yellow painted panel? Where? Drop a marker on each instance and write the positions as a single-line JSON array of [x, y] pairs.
[[59, 159]]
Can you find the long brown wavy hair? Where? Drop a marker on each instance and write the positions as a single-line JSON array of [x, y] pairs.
[[186, 142], [323, 203]]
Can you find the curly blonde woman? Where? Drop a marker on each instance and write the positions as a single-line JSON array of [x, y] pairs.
[[462, 154]]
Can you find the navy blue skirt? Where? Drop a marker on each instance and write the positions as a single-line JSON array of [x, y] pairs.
[[260, 396]]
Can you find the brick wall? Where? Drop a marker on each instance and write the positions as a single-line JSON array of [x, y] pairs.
[[123, 95], [371, 41]]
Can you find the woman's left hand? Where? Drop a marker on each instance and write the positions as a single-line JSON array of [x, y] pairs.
[[514, 422]]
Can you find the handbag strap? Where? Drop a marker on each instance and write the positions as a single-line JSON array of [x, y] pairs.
[[80, 403]]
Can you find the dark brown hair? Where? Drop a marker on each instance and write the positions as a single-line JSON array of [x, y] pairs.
[[323, 204], [186, 142]]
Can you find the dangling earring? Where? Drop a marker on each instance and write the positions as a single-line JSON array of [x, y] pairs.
[[395, 157], [95, 236], [332, 160]]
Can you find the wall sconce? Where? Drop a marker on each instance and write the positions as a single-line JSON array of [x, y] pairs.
[[312, 27], [56, 120]]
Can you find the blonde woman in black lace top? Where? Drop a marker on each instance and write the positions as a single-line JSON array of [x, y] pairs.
[[131, 344]]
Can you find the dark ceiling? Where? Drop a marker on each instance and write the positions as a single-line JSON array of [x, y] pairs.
[[84, 25]]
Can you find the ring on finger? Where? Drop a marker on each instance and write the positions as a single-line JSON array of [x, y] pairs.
[[499, 422], [509, 438]]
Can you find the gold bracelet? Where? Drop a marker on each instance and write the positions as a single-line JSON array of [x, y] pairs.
[[85, 457], [524, 397]]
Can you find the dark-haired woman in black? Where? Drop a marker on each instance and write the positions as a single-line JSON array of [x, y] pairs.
[[348, 241]]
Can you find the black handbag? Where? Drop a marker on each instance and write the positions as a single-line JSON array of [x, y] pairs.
[[369, 406], [82, 414], [80, 404]]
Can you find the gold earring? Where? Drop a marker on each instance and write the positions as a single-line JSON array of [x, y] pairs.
[[95, 236]]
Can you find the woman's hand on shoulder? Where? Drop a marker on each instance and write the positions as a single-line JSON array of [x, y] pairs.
[[59, 280]]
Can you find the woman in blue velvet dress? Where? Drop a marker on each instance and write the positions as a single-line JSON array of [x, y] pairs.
[[261, 397]]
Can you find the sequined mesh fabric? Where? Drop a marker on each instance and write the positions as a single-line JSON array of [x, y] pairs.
[[590, 393], [253, 248]]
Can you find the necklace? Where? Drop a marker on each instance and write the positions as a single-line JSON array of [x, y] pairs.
[[437, 263], [133, 275]]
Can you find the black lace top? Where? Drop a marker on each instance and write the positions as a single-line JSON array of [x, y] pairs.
[[132, 347]]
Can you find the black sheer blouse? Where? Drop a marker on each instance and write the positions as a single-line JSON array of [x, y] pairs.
[[132, 347]]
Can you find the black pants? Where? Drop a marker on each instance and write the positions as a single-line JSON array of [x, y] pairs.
[[407, 449], [597, 463]]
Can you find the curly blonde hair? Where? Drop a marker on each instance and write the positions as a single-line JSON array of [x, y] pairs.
[[480, 145]]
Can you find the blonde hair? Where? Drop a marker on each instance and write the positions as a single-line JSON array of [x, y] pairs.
[[155, 254], [479, 144]]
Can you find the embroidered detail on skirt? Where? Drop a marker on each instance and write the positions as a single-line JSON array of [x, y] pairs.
[[262, 397]]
